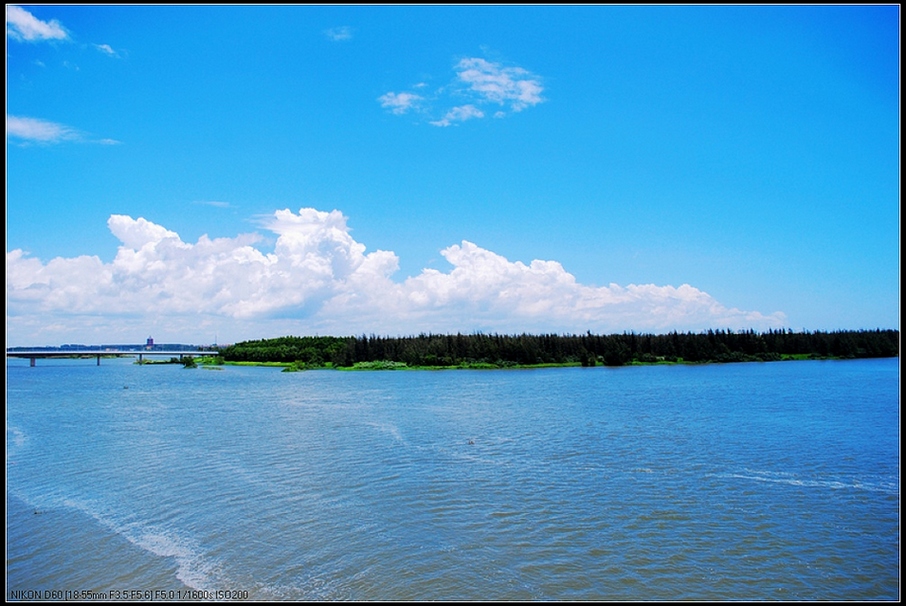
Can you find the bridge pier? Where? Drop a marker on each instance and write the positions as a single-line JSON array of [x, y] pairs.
[[99, 359], [31, 361]]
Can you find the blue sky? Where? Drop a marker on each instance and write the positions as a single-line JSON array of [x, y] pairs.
[[242, 172]]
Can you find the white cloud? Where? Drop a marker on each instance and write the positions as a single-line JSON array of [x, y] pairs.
[[339, 34], [544, 296], [318, 279], [480, 82], [459, 114], [33, 129], [512, 86], [21, 25], [400, 103], [107, 50]]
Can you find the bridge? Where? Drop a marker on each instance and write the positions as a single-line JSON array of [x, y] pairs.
[[34, 354]]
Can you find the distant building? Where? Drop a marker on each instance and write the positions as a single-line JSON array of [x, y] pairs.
[[149, 343]]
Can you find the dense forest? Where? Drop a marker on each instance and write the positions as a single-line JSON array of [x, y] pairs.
[[493, 350]]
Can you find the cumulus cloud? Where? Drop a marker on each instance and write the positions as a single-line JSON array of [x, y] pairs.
[[543, 295], [480, 82], [318, 278], [21, 25]]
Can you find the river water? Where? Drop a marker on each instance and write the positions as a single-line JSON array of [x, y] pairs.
[[761, 481]]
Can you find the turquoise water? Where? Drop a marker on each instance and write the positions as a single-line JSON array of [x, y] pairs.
[[717, 482]]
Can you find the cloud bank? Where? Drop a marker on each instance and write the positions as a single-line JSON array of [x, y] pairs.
[[319, 280], [478, 83]]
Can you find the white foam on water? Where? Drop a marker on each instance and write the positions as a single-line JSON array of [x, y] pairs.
[[16, 437], [192, 568], [387, 428], [791, 479]]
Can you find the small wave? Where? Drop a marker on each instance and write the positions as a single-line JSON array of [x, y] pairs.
[[191, 567], [15, 436], [389, 429], [309, 589], [779, 474], [791, 479]]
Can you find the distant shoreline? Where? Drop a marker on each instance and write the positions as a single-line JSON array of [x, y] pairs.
[[478, 351], [386, 365]]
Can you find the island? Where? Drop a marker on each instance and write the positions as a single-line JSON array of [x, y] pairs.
[[479, 350]]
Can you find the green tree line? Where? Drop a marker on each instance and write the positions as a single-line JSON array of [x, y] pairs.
[[587, 350]]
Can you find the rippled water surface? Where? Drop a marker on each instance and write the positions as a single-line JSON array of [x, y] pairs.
[[739, 481]]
